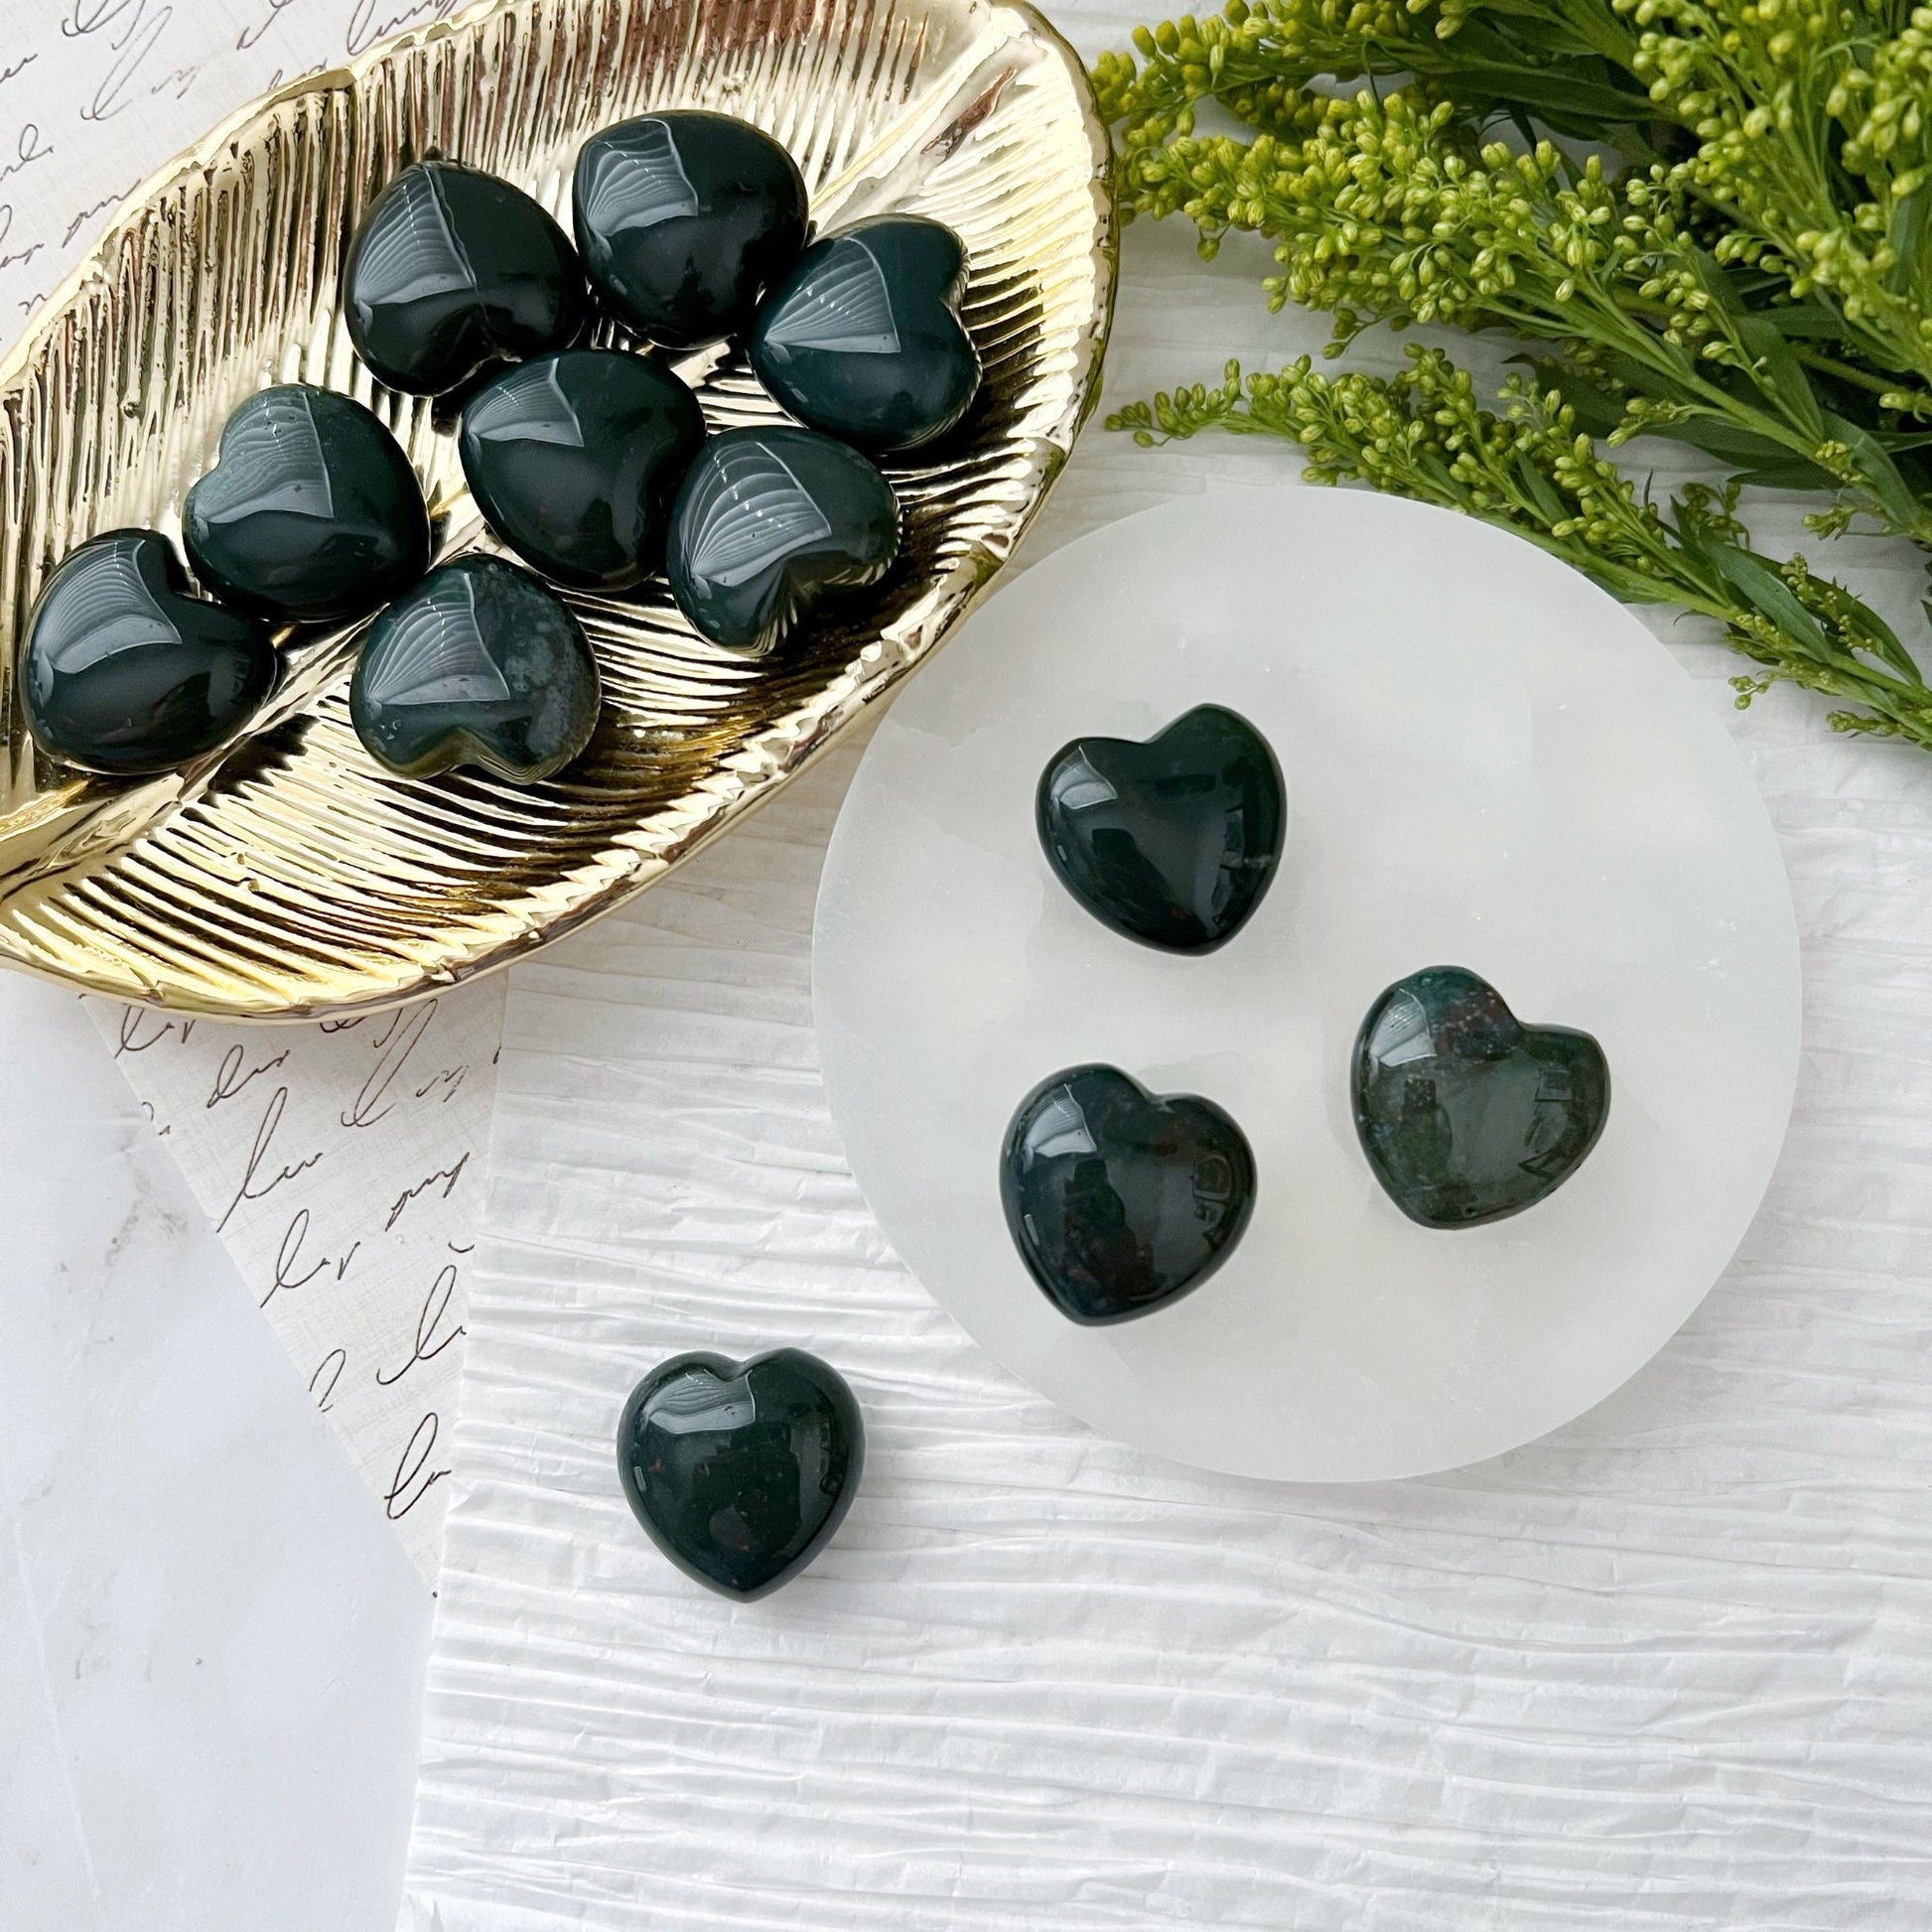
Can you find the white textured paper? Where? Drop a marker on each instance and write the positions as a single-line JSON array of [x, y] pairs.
[[1668, 1668], [342, 1165]]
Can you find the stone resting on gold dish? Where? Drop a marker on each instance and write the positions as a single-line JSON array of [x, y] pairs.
[[342, 298], [863, 340], [576, 458], [684, 219], [453, 270], [312, 513], [479, 664], [125, 672], [770, 521]]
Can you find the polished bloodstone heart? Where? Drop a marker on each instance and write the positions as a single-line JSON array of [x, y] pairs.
[[124, 672], [576, 460], [1465, 1114], [684, 218], [1174, 841], [740, 1472], [1121, 1203], [862, 338], [479, 664], [453, 270], [767, 522], [312, 513]]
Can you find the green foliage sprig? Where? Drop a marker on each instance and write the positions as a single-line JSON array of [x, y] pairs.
[[1740, 265], [1424, 434]]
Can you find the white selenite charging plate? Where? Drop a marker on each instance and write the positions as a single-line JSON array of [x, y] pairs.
[[1490, 764]]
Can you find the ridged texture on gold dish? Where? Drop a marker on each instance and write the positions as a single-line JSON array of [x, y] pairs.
[[292, 876]]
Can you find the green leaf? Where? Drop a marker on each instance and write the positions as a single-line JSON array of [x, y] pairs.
[[1804, 321], [1771, 597], [1749, 281], [1882, 476], [1527, 39], [1694, 538], [1668, 383], [1568, 103], [1792, 474], [1476, 43], [1776, 373], [1906, 233], [1542, 491], [1597, 409], [1726, 442], [1780, 375], [1881, 640], [1554, 75]]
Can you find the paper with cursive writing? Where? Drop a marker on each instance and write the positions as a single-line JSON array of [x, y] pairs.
[[342, 1163]]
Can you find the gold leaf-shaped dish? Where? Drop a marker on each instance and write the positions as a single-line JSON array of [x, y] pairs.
[[289, 875]]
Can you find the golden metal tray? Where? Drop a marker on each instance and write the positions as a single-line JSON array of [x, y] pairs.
[[289, 875]]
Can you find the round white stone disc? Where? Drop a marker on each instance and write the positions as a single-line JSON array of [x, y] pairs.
[[1490, 764]]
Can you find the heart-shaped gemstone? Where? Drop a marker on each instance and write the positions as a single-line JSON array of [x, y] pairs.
[[862, 338], [740, 1472], [452, 270], [124, 672], [767, 522], [684, 219], [1172, 842], [1121, 1203], [1465, 1114], [312, 513], [479, 664], [576, 460]]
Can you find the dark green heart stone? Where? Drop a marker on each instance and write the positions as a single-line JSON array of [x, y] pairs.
[[576, 460], [127, 674], [740, 1472], [767, 522], [862, 338], [1172, 842], [312, 513], [1121, 1203], [684, 219], [453, 270], [1465, 1114], [479, 664]]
